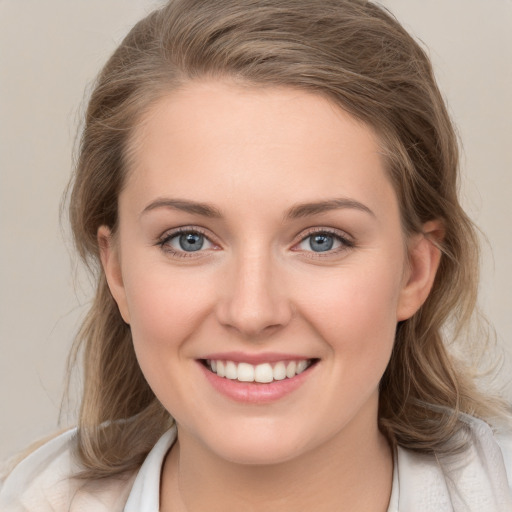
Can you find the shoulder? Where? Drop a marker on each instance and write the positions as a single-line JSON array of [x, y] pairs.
[[44, 481], [478, 478], [491, 450], [504, 441]]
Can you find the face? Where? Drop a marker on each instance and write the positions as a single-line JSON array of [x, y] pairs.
[[261, 265]]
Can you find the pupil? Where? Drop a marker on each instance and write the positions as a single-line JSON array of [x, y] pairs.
[[191, 242], [321, 243]]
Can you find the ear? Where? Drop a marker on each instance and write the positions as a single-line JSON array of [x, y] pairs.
[[424, 258], [109, 255]]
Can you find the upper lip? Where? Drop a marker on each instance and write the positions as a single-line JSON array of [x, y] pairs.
[[263, 357]]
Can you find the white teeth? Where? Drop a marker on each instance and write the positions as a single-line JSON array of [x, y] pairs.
[[231, 370], [245, 372], [279, 371], [220, 369], [262, 373], [301, 366], [290, 369]]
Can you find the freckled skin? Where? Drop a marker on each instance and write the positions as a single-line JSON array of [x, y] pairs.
[[258, 284]]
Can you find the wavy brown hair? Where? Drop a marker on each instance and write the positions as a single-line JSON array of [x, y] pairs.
[[357, 55]]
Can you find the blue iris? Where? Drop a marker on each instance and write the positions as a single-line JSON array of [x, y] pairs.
[[321, 242], [191, 242]]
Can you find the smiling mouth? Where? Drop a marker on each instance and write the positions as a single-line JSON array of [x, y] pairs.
[[263, 373]]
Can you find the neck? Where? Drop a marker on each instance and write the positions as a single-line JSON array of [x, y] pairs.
[[351, 472]]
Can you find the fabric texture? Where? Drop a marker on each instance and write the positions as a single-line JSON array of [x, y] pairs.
[[474, 481]]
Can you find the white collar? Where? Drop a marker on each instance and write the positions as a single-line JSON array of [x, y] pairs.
[[475, 481], [145, 493]]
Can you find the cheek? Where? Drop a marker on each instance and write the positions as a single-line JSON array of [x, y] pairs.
[[355, 312], [356, 293], [165, 308]]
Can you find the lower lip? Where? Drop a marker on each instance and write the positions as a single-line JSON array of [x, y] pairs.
[[255, 392]]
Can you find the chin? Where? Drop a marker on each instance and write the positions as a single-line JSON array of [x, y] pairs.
[[256, 444], [257, 453]]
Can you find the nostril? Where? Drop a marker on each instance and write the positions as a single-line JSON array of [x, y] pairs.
[[253, 301]]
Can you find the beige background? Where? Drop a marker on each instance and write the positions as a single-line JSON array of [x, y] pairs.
[[50, 51]]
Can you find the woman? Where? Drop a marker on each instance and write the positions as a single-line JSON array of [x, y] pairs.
[[268, 193]]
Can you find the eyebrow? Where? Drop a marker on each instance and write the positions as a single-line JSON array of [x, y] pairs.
[[196, 208], [307, 209], [296, 212]]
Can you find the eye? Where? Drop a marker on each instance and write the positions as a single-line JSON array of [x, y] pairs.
[[324, 241], [185, 241]]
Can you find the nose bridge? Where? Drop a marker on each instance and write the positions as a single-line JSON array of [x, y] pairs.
[[254, 300]]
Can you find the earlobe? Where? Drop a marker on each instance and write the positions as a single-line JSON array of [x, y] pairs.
[[424, 259], [111, 264]]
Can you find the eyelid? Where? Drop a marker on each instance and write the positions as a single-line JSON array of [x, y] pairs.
[[346, 240], [169, 234]]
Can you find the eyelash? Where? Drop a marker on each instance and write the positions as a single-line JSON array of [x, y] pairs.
[[346, 243], [163, 242]]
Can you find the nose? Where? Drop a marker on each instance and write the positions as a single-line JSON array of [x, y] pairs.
[[254, 301]]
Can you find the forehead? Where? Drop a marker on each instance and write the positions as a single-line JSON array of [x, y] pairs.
[[224, 139]]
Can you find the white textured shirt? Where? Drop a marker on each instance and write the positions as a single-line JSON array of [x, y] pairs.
[[473, 481]]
